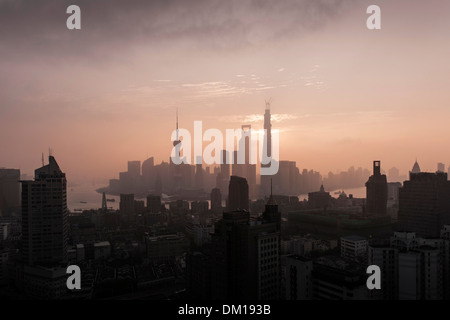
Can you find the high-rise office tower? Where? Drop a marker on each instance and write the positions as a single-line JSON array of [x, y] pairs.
[[421, 268], [267, 150], [237, 169], [387, 259], [9, 191], [440, 167], [216, 201], [225, 165], [248, 170], [126, 205], [44, 217], [284, 181], [377, 191], [176, 181], [247, 131], [198, 176], [271, 214], [134, 169], [268, 128], [238, 197], [424, 203], [153, 204], [148, 173], [245, 258], [223, 178]]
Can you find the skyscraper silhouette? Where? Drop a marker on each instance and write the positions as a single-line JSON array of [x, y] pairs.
[[9, 191], [104, 204], [238, 198], [267, 149], [377, 191], [216, 201], [44, 217], [246, 255], [424, 203]]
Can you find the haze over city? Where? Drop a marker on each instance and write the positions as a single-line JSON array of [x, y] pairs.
[[341, 94]]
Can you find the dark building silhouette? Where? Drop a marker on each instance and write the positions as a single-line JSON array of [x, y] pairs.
[[246, 257], [216, 201], [199, 176], [153, 204], [377, 191], [271, 214], [424, 203], [238, 197], [267, 149], [148, 173], [319, 199], [324, 279], [223, 178], [387, 259], [127, 205], [104, 203], [9, 191], [44, 217]]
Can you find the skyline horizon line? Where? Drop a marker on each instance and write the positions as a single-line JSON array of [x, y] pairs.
[[204, 166]]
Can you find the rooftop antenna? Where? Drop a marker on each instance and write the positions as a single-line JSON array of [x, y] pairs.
[[42, 159]]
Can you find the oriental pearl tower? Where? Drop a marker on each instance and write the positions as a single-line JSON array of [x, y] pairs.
[[177, 170], [177, 141]]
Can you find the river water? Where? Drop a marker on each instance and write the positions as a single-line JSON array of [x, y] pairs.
[[85, 197]]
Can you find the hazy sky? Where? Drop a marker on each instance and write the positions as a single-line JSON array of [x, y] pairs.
[[341, 94]]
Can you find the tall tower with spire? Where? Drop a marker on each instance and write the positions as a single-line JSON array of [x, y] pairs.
[[104, 205], [416, 168], [177, 146], [177, 142]]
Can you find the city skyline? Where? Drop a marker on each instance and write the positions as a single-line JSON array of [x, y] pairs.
[[210, 153], [108, 94]]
